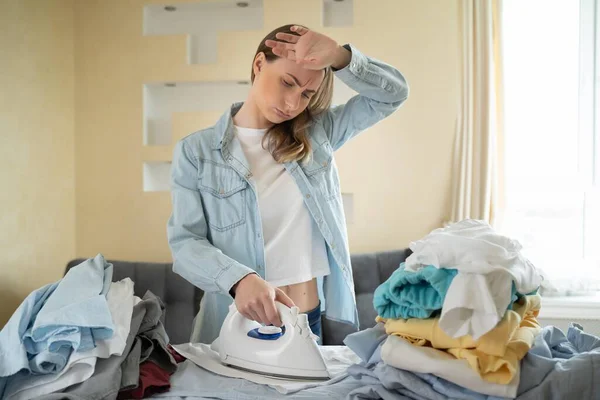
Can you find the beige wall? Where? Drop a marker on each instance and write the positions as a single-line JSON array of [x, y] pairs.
[[37, 139], [398, 171]]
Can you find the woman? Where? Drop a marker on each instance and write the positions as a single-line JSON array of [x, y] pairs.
[[257, 209]]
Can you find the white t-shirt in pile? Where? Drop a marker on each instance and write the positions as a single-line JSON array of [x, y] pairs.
[[294, 247]]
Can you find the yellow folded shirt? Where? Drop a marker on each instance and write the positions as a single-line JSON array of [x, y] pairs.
[[495, 355]]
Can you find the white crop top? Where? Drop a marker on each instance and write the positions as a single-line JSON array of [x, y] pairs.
[[294, 247]]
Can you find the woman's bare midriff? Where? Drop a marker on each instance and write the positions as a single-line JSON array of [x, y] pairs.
[[304, 294]]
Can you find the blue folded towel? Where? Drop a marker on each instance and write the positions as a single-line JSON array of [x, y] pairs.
[[408, 294], [57, 319]]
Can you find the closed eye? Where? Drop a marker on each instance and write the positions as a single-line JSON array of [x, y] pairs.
[[306, 94]]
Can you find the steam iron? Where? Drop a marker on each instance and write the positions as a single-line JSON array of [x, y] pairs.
[[289, 352]]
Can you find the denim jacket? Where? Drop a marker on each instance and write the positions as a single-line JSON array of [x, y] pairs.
[[215, 230]]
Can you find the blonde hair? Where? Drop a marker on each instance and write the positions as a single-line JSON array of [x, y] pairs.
[[289, 140]]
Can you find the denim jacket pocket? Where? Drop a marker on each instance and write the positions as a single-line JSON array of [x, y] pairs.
[[223, 194], [321, 171]]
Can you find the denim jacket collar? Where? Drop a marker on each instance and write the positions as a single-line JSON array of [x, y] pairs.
[[223, 133]]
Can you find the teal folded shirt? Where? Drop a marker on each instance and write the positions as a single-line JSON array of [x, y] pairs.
[[420, 294], [408, 294]]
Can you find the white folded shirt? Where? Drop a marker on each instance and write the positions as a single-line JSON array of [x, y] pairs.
[[398, 353]]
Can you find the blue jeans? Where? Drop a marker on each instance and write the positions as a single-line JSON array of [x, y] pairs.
[[314, 321]]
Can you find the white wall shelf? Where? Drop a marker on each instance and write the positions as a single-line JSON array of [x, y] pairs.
[[338, 13], [163, 99], [202, 21]]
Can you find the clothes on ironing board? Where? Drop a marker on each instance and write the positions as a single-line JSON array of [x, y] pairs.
[[81, 365], [176, 356], [473, 246], [410, 294], [65, 316], [366, 343], [422, 294], [76, 313], [193, 382], [487, 264], [150, 343], [379, 380], [476, 303], [496, 355], [337, 359], [560, 366], [399, 353], [114, 374], [153, 380]]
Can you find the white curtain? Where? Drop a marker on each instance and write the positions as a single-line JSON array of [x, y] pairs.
[[477, 157]]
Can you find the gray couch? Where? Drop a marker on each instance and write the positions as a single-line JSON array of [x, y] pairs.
[[182, 299]]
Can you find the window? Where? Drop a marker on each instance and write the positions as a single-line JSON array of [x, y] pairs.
[[552, 137]]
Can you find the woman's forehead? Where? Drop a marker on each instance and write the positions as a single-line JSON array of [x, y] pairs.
[[303, 75]]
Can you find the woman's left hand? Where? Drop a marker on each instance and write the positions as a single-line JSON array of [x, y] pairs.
[[311, 49]]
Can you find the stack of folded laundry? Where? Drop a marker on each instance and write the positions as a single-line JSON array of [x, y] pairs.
[[462, 307], [87, 337]]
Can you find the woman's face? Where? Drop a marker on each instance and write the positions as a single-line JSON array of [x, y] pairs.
[[282, 89]]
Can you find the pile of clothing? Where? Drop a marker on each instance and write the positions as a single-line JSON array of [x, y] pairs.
[[458, 320], [465, 295], [462, 307], [85, 336]]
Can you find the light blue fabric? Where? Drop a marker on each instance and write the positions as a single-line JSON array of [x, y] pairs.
[[383, 381], [215, 230], [58, 318], [408, 294], [191, 380], [13, 354], [367, 343], [561, 367], [390, 383]]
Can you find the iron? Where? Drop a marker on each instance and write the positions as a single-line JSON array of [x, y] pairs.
[[286, 352]]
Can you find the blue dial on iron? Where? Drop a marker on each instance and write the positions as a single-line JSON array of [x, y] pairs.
[[267, 332]]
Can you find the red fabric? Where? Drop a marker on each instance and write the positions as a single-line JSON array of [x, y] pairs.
[[178, 357], [153, 380]]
